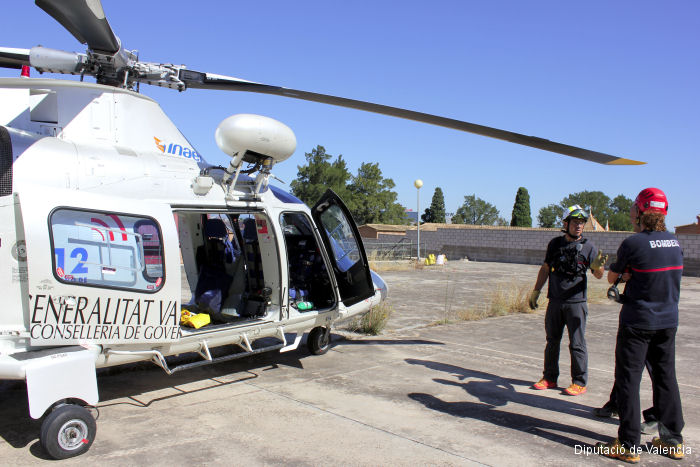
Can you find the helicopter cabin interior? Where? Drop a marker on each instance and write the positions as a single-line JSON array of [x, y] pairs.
[[230, 266]]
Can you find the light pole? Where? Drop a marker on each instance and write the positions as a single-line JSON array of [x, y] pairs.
[[418, 183]]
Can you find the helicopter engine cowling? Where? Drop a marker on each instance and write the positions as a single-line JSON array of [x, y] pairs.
[[56, 61], [254, 137]]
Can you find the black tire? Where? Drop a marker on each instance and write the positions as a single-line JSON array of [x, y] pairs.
[[319, 341], [68, 431]]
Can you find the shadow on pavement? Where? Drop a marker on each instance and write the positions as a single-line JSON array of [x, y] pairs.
[[16, 427], [345, 341], [124, 384], [495, 392], [129, 381]]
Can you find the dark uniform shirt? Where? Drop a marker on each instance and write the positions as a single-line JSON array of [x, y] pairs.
[[650, 300], [568, 263]]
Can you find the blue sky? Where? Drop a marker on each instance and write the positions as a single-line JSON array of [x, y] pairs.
[[618, 77]]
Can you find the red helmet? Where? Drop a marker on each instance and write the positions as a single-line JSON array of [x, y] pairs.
[[652, 199]]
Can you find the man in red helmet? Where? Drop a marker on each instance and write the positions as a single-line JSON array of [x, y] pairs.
[[647, 331]]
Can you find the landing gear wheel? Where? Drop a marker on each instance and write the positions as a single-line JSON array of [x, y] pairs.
[[319, 340], [68, 431]]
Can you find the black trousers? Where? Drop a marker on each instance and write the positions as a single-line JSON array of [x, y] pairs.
[[658, 348], [573, 316], [649, 415]]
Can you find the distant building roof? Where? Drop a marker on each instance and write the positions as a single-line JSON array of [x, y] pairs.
[[593, 224], [388, 227], [373, 230], [689, 228]]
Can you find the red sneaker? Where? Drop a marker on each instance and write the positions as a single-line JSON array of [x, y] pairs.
[[575, 390], [544, 384]]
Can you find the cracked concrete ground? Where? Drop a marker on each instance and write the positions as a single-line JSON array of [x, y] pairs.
[[419, 394]]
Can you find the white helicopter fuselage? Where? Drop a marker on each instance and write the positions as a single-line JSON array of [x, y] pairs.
[[104, 230]]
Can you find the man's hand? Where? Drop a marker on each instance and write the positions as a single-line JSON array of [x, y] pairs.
[[599, 261], [534, 295]]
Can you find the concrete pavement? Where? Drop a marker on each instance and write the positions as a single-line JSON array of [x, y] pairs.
[[456, 394]]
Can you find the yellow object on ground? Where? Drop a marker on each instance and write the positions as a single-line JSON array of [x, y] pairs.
[[194, 320]]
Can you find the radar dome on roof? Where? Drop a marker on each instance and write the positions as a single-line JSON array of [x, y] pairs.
[[253, 136]]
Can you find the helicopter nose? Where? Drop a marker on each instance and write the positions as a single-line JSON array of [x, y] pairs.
[[380, 285]]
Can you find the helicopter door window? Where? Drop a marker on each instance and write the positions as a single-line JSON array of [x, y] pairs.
[[107, 250], [152, 249], [250, 227], [309, 283], [341, 238]]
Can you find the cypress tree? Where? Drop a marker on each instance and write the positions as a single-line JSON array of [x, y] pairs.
[[521, 209], [436, 211]]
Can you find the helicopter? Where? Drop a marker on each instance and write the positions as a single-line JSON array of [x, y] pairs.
[[128, 246]]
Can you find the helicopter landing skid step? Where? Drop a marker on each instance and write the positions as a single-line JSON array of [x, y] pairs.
[[159, 359]]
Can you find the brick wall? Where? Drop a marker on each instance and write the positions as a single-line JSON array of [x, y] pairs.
[[525, 245]]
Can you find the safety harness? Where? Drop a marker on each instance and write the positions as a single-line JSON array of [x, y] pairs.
[[569, 262]]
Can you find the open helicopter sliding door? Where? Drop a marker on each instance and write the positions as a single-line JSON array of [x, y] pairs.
[[344, 245], [101, 269]]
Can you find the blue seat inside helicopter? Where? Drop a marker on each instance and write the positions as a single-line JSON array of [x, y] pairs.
[[214, 280]]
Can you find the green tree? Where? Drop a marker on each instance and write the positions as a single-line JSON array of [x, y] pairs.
[[372, 200], [368, 195], [436, 211], [476, 211], [427, 216], [596, 202], [620, 218], [613, 212], [521, 209], [319, 174], [549, 216]]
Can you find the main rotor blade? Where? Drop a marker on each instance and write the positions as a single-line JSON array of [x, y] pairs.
[[195, 79], [13, 58], [85, 19]]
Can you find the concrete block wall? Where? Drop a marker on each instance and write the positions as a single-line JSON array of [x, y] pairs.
[[691, 253], [527, 245]]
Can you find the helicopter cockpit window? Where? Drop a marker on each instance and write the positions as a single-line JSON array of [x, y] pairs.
[[107, 249], [341, 238]]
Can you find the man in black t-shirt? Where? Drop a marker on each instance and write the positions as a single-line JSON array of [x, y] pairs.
[[566, 262], [647, 330]]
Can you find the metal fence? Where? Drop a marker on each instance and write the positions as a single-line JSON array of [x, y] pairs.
[[403, 249]]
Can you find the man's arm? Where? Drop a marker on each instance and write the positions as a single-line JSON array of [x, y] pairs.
[[612, 276], [542, 276], [621, 264]]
